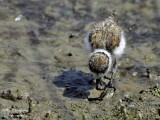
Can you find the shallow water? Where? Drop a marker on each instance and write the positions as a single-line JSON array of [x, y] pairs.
[[42, 56]]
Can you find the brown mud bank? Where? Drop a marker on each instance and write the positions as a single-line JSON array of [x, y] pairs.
[[43, 65]]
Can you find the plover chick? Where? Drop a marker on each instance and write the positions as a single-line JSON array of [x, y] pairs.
[[107, 35], [99, 63]]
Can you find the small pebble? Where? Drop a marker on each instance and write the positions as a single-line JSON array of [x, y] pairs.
[[18, 18], [69, 54], [134, 74]]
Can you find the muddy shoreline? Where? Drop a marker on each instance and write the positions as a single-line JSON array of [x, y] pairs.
[[44, 73]]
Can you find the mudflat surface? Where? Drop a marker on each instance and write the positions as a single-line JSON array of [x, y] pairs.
[[43, 64]]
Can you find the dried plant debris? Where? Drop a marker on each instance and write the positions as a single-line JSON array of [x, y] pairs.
[[16, 112], [139, 106], [10, 96], [155, 90], [127, 112]]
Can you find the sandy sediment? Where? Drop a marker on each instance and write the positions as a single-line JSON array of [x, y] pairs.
[[43, 64]]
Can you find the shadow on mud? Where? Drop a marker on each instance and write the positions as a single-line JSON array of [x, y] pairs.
[[76, 83]]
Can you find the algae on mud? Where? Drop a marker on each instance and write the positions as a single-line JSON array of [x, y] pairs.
[[38, 50]]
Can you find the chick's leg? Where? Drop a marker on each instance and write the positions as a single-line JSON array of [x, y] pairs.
[[99, 82], [114, 68], [103, 94], [113, 71]]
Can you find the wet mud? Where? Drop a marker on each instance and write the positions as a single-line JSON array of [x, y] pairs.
[[43, 62]]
